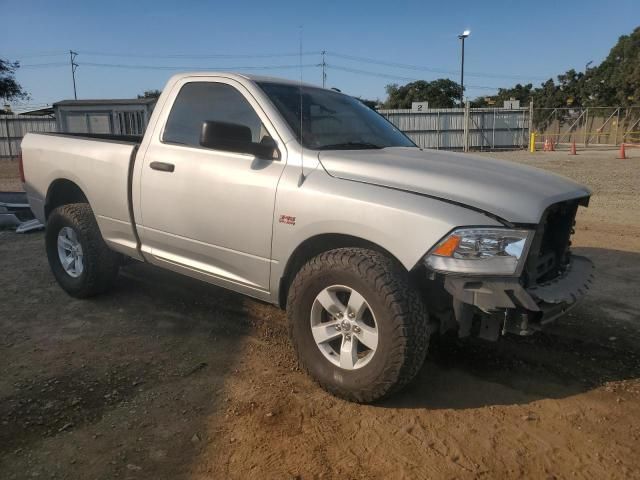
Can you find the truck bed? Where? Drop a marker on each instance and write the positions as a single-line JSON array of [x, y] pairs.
[[100, 165]]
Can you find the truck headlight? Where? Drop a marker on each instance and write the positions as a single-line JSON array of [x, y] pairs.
[[489, 251]]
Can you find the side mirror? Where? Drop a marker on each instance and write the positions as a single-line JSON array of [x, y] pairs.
[[233, 137]]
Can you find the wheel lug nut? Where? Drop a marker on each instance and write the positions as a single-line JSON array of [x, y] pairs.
[[338, 327], [356, 329], [340, 315], [352, 315]]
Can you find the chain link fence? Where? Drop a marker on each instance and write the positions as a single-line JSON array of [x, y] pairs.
[[587, 127]]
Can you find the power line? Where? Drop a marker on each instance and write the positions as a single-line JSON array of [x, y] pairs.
[[252, 67], [167, 67], [370, 73], [325, 66], [45, 65], [394, 77], [429, 69], [166, 56], [35, 54], [192, 56], [344, 56]]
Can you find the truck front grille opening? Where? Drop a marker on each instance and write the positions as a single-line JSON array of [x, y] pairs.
[[550, 253]]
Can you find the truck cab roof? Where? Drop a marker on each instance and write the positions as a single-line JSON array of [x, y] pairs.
[[241, 77]]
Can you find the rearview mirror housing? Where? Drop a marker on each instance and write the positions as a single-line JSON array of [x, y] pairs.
[[234, 137]]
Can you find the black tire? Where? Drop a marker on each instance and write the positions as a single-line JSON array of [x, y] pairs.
[[401, 318], [100, 263]]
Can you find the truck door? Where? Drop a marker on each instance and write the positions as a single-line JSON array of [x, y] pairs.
[[209, 212]]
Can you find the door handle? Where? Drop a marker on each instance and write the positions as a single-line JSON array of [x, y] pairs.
[[162, 166]]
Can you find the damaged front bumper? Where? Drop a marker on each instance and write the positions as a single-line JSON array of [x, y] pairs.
[[508, 306]]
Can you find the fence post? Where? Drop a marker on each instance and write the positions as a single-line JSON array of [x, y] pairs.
[[586, 126], [465, 140], [438, 131], [531, 123], [493, 131], [6, 126]]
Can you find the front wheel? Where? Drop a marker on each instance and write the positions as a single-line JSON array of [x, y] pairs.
[[358, 325], [80, 260]]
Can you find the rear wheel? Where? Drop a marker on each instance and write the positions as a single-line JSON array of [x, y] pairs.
[[357, 323], [79, 258]]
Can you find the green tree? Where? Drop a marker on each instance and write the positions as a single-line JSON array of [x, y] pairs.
[[616, 81], [151, 94], [440, 93], [373, 104], [519, 92], [9, 88]]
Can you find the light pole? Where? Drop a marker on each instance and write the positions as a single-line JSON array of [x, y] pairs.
[[462, 36]]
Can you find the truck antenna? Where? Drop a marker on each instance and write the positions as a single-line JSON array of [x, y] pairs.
[[302, 177]]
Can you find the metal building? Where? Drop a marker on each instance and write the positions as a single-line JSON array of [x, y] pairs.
[[117, 117]]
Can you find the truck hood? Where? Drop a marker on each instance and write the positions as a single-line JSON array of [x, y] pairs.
[[513, 192]]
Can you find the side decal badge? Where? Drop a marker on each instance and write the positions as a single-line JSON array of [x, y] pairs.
[[287, 219]]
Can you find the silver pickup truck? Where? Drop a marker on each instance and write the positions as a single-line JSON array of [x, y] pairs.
[[307, 199]]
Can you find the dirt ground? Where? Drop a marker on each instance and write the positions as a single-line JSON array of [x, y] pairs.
[[167, 377], [9, 176]]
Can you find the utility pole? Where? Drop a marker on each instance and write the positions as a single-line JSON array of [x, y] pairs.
[[462, 36], [74, 65], [324, 72]]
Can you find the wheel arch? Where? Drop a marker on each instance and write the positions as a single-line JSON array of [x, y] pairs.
[[62, 191], [316, 245]]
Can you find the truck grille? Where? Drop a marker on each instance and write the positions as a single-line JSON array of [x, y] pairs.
[[550, 250]]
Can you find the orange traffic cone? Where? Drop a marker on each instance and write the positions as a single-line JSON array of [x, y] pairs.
[[552, 145], [622, 155], [573, 148], [546, 145]]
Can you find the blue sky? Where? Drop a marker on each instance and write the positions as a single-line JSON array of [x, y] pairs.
[[510, 41]]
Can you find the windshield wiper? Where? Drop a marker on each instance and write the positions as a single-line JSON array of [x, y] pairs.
[[351, 146]]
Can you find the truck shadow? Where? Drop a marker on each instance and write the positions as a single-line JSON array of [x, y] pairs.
[[598, 342], [130, 381], [515, 371]]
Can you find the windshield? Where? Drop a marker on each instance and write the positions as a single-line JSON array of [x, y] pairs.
[[332, 120]]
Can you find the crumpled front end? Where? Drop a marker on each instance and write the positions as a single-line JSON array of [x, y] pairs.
[[506, 306], [552, 282]]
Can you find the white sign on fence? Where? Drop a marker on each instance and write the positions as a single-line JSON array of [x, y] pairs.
[[511, 104], [419, 106]]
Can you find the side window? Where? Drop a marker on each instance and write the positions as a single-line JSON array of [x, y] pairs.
[[198, 102]]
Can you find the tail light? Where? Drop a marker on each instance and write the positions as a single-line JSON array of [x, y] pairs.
[[21, 168]]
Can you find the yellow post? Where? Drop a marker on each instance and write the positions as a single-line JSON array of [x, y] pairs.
[[532, 142]]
